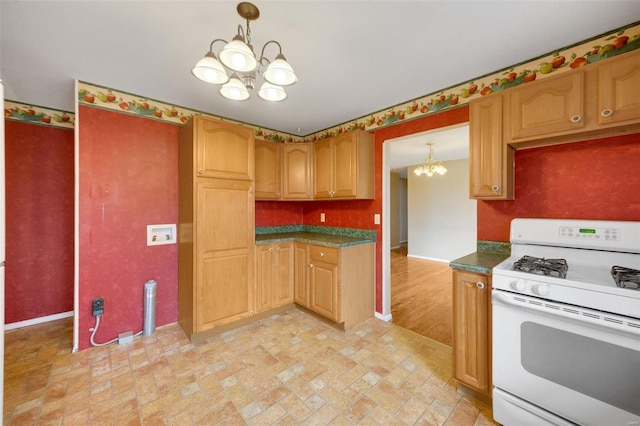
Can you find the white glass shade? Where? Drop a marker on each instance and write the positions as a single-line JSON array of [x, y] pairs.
[[210, 70], [271, 92], [279, 72], [236, 55], [234, 89]]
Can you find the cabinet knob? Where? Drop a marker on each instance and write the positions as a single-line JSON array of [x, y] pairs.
[[250, 190], [495, 188], [270, 248], [480, 285], [311, 265], [606, 112], [200, 171], [278, 195], [321, 254], [278, 249], [576, 119]]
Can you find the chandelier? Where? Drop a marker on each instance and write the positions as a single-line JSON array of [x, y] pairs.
[[238, 57], [430, 166]]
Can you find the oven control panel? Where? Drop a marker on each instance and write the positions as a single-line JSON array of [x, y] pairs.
[[579, 232]]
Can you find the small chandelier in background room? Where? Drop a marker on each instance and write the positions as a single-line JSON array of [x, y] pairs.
[[238, 57], [430, 166]]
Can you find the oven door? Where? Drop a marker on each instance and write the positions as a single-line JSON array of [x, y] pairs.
[[560, 360]]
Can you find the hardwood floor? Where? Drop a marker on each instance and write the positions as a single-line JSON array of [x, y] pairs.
[[421, 296]]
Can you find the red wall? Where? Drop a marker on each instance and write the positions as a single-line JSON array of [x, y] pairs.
[[598, 179], [277, 213], [128, 180], [39, 221]]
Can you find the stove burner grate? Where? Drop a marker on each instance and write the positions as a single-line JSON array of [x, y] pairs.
[[539, 265], [626, 277]]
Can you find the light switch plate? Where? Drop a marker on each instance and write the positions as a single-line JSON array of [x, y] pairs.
[[322, 217], [376, 219]]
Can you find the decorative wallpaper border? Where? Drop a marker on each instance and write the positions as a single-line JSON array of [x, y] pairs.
[[613, 43], [34, 114], [107, 98]]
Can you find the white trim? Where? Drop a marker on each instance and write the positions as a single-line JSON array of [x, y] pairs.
[[76, 225], [385, 318], [39, 320], [428, 258], [386, 232]]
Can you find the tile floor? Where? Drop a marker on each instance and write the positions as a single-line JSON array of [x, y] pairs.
[[288, 369]]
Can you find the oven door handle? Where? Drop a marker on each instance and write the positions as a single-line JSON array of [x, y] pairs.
[[575, 313]]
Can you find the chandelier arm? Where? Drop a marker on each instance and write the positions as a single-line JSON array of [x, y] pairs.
[[265, 46], [242, 33], [218, 39]]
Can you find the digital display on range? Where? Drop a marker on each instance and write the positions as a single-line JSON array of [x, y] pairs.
[[587, 231]]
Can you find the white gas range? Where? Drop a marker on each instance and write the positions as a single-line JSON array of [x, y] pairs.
[[566, 324]]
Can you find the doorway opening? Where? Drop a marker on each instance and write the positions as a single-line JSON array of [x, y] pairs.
[[441, 226]]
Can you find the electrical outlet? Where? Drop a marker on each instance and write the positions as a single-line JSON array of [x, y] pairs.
[[98, 306]]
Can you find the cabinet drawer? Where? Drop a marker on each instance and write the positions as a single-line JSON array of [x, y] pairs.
[[325, 254]]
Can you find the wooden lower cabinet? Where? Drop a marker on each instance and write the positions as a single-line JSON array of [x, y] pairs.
[[336, 283], [274, 275], [472, 330]]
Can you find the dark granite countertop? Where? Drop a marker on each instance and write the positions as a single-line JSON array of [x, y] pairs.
[[489, 254], [324, 236]]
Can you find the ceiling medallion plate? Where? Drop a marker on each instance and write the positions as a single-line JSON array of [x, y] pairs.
[[248, 11]]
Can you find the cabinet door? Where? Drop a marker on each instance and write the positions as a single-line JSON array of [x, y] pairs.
[[490, 160], [301, 274], [345, 151], [471, 330], [619, 90], [323, 169], [284, 274], [324, 290], [265, 275], [224, 150], [224, 252], [268, 170], [551, 106], [297, 171]]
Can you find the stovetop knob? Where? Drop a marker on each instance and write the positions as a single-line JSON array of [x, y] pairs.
[[540, 289], [518, 285]]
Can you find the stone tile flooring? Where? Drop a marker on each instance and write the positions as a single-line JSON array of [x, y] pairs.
[[288, 369]]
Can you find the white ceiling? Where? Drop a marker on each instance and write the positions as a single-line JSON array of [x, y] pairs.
[[352, 57]]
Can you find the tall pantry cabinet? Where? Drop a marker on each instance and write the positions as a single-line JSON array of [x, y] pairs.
[[216, 224]]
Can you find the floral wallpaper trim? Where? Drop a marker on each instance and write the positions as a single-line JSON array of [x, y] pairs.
[[613, 43], [107, 98], [34, 114], [616, 42]]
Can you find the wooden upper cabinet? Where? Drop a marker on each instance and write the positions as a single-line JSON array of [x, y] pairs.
[[323, 165], [224, 150], [619, 90], [297, 175], [268, 177], [490, 158], [344, 166], [546, 107]]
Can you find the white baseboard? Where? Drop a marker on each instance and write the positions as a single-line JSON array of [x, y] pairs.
[[39, 320], [385, 318], [428, 258]]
